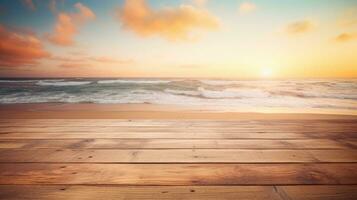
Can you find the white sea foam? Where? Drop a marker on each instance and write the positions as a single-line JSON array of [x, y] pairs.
[[17, 81], [183, 92], [62, 83], [227, 94], [233, 93], [132, 81], [219, 82]]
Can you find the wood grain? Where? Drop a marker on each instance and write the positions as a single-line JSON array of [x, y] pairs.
[[178, 128], [176, 144], [178, 174], [178, 159], [65, 192], [176, 156], [171, 135]]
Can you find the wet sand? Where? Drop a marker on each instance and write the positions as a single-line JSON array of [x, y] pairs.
[[143, 111]]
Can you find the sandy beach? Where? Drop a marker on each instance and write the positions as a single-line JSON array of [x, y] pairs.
[[143, 111]]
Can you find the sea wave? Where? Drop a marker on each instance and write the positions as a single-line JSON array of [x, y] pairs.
[[17, 81], [132, 81], [332, 95], [62, 83], [231, 94], [183, 92], [219, 82]]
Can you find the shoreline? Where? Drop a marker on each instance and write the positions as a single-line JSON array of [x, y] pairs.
[[145, 111]]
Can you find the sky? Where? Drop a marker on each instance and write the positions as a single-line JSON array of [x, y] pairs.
[[179, 38]]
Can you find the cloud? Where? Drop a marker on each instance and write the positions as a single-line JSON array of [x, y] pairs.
[[20, 49], [348, 18], [189, 66], [349, 22], [86, 61], [247, 7], [29, 4], [199, 2], [345, 37], [74, 64], [299, 27], [68, 23], [169, 23], [67, 59], [109, 60], [71, 62]]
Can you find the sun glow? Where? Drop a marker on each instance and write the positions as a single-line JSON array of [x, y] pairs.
[[266, 72]]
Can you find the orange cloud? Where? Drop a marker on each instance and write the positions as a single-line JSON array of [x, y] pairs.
[[19, 49], [67, 25], [67, 59], [299, 27], [29, 4], [349, 22], [81, 61], [170, 23], [247, 7], [74, 64], [110, 60], [348, 18], [200, 2], [345, 37]]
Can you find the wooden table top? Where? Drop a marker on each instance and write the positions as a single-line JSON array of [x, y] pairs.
[[178, 159]]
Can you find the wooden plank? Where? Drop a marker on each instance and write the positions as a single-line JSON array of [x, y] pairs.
[[211, 124], [179, 174], [233, 121], [119, 122], [65, 192], [33, 192], [109, 122], [333, 192], [349, 142], [173, 135], [147, 130], [334, 155], [179, 123], [174, 144], [9, 144], [178, 129], [169, 135], [176, 156]]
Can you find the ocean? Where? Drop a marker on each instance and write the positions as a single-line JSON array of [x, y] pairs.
[[337, 96]]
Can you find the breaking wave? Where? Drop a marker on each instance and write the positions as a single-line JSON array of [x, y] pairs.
[[230, 94], [132, 81], [62, 83]]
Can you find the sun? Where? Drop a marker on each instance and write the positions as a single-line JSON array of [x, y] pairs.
[[266, 72]]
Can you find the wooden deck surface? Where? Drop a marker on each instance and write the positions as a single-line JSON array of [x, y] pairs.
[[178, 159]]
